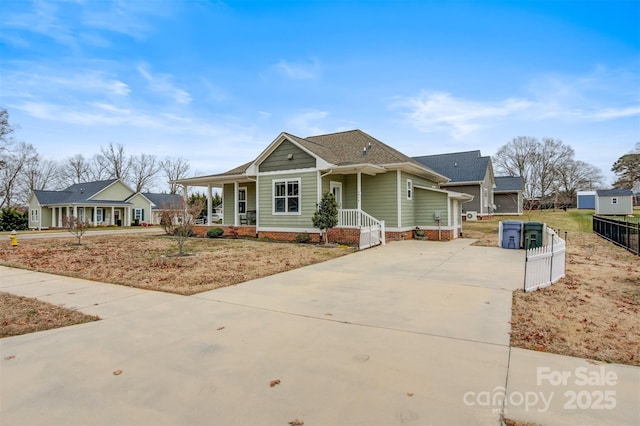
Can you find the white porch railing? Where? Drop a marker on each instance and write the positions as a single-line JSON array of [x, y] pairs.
[[545, 265], [372, 230]]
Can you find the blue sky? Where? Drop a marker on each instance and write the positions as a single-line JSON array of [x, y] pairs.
[[216, 82]]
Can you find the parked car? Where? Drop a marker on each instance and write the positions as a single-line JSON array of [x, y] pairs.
[[216, 217]]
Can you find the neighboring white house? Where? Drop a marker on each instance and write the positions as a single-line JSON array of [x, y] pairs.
[[614, 201], [107, 202]]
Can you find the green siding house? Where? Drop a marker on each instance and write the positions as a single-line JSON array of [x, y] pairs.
[[379, 190], [469, 172]]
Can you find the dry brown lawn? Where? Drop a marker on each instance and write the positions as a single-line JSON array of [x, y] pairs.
[[150, 262], [594, 312], [21, 315]]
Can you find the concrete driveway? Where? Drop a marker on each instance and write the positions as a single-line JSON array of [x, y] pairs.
[[408, 333]]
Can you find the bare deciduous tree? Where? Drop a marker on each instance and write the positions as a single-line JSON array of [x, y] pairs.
[[144, 169], [6, 130], [41, 174], [548, 168], [548, 159], [574, 175], [173, 170], [114, 159], [15, 160], [178, 220], [75, 169], [76, 227]]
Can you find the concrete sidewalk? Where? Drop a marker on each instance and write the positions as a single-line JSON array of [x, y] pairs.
[[409, 333]]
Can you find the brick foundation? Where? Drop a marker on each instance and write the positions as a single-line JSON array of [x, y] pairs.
[[346, 236]]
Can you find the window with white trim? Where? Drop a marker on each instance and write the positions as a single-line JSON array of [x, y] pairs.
[[614, 200], [286, 196], [34, 215], [409, 189], [138, 214], [99, 215]]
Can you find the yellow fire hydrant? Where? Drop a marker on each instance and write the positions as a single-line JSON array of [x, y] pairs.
[[14, 238]]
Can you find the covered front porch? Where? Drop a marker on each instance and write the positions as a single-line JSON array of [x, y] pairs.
[[106, 214]]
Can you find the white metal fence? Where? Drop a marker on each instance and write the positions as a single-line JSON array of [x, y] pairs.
[[545, 265]]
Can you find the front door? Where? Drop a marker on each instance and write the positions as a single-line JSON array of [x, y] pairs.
[[116, 217], [336, 190]]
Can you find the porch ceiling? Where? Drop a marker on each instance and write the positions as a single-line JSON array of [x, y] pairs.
[[368, 169]]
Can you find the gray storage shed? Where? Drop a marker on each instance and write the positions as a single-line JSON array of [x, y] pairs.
[[614, 201]]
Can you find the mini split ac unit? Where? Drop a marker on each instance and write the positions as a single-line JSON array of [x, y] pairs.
[[472, 215]]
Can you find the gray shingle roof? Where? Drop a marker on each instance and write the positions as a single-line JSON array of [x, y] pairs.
[[509, 183], [614, 192], [77, 193], [345, 148], [469, 166], [163, 200]]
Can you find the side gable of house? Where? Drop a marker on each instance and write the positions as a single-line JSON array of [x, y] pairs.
[[287, 156], [116, 191]]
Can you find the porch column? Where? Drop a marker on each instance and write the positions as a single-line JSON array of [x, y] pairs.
[[94, 214], [209, 204], [359, 197], [113, 211], [68, 213], [235, 204], [39, 218], [75, 211], [53, 217]]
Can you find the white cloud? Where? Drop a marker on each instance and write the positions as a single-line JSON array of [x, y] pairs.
[[435, 111], [51, 82], [43, 20], [298, 71], [602, 95], [162, 84], [306, 123]]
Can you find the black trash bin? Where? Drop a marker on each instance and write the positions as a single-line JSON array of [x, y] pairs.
[[533, 234], [511, 231]]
